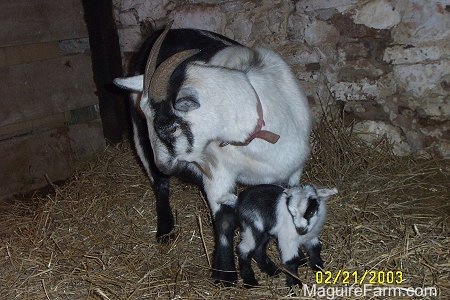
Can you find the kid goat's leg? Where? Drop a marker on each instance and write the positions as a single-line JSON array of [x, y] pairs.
[[291, 259], [264, 262], [246, 250], [313, 249]]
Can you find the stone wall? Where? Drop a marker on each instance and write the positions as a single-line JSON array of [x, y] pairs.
[[386, 62]]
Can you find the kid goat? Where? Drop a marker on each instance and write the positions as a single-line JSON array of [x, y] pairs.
[[295, 216], [211, 111]]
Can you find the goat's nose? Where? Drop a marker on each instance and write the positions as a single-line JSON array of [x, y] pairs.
[[301, 230]]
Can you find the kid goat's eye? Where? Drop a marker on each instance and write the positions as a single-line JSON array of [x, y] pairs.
[[313, 205]]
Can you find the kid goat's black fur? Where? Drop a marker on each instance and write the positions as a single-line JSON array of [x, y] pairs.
[[294, 216]]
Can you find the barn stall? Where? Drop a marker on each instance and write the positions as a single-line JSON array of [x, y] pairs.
[[376, 75]]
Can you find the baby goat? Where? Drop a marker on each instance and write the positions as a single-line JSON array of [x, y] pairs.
[[295, 216]]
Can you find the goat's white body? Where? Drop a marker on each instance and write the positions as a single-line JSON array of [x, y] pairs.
[[228, 87], [285, 112]]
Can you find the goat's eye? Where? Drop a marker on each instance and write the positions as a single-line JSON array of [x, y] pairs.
[[309, 213], [175, 130], [313, 206]]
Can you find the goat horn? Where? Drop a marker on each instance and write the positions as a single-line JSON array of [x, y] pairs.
[[150, 67], [160, 79]]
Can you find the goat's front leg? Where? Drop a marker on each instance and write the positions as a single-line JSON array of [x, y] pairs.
[[164, 215], [313, 249], [165, 221], [292, 258], [222, 201]]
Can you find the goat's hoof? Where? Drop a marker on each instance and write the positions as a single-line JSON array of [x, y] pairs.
[[166, 238], [248, 284], [225, 278], [291, 282], [317, 265], [274, 272]]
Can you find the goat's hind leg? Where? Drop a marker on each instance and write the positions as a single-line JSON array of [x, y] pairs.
[[264, 262], [225, 223], [246, 250], [222, 201]]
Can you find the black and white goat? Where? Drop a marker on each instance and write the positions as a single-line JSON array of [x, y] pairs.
[[208, 109], [294, 216]]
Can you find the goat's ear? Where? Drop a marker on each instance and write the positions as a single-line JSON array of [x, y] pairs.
[[135, 83], [324, 193], [292, 208], [186, 103]]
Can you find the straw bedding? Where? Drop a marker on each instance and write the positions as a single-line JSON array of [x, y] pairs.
[[93, 237]]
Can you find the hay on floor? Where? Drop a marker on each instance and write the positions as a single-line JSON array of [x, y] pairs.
[[94, 236]]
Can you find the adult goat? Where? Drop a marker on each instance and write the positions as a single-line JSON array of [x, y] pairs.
[[210, 110]]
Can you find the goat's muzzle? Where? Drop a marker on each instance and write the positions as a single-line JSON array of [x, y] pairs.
[[301, 230]]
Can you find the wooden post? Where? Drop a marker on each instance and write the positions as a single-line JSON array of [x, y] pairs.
[[106, 65]]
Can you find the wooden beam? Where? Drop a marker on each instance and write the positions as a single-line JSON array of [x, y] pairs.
[[106, 65]]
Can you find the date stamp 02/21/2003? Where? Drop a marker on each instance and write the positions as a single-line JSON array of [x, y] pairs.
[[342, 277]]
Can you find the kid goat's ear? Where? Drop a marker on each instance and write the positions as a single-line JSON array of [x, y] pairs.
[[325, 193], [292, 208]]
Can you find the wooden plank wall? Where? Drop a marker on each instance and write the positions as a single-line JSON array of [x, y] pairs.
[[49, 115]]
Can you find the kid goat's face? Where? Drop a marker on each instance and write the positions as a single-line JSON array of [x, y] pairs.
[[307, 206]]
